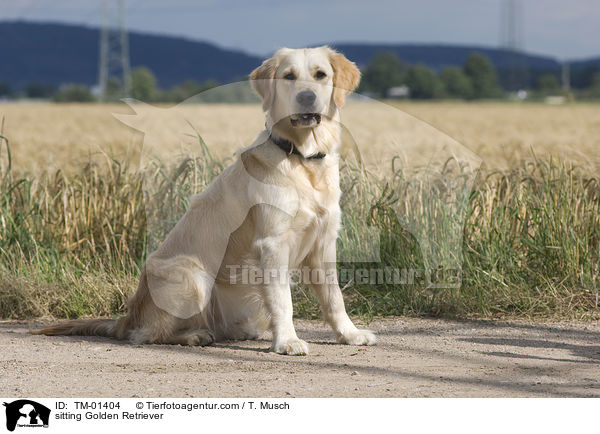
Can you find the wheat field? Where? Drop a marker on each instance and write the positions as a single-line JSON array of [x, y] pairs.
[[49, 137], [507, 193]]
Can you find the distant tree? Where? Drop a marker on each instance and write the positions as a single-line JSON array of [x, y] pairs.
[[114, 89], [594, 89], [384, 71], [5, 89], [456, 83], [39, 90], [483, 76], [582, 77], [186, 90], [143, 84], [547, 84], [209, 84], [227, 94], [73, 93], [423, 83]]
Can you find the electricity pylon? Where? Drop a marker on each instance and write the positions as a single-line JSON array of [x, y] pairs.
[[511, 40], [114, 69]]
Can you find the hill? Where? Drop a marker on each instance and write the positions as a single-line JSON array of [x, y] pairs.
[[61, 53], [437, 56], [55, 54]]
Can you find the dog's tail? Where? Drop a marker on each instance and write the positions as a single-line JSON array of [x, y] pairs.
[[81, 327]]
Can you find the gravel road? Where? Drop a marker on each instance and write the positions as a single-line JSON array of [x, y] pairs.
[[414, 358]]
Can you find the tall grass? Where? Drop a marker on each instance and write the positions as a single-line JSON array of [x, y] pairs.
[[530, 246], [529, 238]]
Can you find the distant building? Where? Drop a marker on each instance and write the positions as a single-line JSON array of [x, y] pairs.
[[398, 92], [519, 95], [555, 100]]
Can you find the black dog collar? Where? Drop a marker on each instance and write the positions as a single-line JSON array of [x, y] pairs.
[[290, 149]]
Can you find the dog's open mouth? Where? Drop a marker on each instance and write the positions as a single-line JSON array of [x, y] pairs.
[[305, 119]]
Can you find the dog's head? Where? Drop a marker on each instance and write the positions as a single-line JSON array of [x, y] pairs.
[[300, 86]]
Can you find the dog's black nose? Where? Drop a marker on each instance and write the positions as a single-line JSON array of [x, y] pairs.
[[306, 98]]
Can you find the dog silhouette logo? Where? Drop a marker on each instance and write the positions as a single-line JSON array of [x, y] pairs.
[[26, 413]]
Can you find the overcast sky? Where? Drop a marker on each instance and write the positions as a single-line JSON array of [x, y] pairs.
[[561, 28]]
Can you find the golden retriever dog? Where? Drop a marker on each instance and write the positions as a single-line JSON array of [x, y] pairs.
[[274, 210]]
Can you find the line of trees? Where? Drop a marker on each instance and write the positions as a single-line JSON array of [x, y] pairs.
[[477, 78], [144, 87], [386, 76]]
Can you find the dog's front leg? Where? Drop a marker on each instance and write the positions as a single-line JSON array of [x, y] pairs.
[[329, 294], [278, 297]]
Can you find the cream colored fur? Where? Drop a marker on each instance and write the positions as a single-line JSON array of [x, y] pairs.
[[267, 210]]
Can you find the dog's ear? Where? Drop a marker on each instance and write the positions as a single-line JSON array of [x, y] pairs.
[[346, 77], [261, 80]]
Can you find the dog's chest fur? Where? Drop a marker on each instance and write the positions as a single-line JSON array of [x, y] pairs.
[[318, 215]]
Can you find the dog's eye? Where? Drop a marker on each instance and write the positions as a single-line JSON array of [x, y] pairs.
[[289, 76], [320, 74]]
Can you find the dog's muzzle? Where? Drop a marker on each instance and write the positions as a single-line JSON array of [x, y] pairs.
[[305, 119]]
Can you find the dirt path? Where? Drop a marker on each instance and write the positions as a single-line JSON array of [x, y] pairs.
[[415, 357]]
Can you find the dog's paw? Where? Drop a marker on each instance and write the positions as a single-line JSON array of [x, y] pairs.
[[200, 338], [242, 335], [359, 337], [291, 347]]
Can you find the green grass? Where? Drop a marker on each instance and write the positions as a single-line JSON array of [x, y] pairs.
[[527, 240]]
